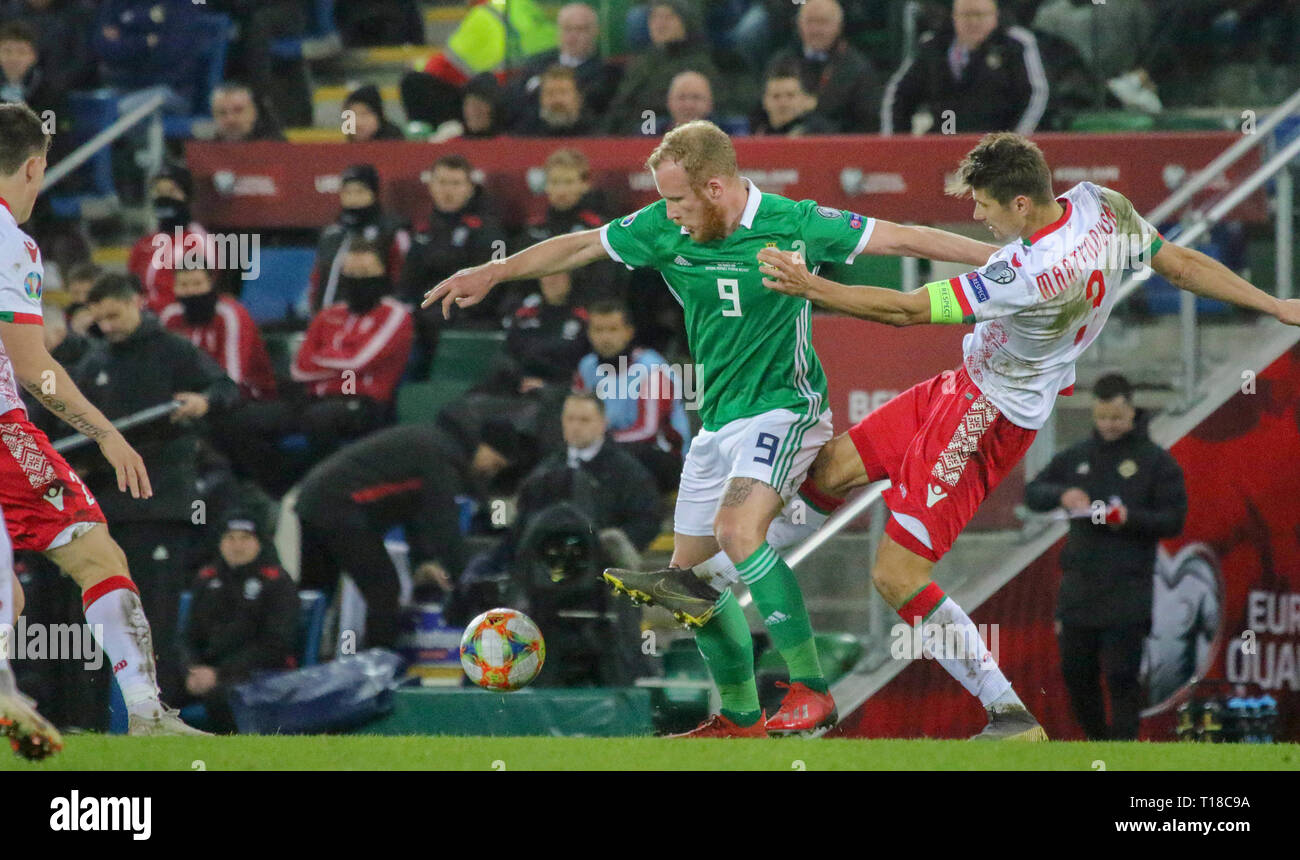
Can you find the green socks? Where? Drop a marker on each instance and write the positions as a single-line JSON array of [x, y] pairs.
[[728, 649], [778, 598]]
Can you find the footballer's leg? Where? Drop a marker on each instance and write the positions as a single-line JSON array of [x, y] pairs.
[[113, 610], [836, 471], [30, 735]]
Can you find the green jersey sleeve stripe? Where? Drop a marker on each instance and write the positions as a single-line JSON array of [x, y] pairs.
[[609, 249], [867, 230]]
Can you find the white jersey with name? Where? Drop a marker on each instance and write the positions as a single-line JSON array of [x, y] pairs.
[[21, 279], [1038, 303]]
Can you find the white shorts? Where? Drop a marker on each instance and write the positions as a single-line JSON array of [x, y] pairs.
[[776, 447]]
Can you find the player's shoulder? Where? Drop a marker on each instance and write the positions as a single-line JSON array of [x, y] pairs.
[[649, 216]]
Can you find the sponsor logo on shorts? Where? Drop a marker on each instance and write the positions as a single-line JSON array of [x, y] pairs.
[[32, 284], [977, 286], [828, 212], [54, 495], [934, 495]]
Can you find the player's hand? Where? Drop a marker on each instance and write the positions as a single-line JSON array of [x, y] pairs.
[[463, 289], [431, 571], [192, 406], [200, 680], [129, 465], [1075, 499], [1288, 311], [785, 272]]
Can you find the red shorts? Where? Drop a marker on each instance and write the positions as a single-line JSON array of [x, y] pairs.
[[944, 446], [42, 497]]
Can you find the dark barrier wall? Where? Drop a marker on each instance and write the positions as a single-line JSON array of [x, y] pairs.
[[265, 185]]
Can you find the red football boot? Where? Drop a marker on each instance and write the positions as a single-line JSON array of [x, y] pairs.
[[718, 726], [803, 710]]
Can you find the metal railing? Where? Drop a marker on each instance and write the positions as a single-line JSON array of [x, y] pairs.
[[150, 109]]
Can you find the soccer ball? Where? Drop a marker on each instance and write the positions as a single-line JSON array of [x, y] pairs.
[[502, 650]]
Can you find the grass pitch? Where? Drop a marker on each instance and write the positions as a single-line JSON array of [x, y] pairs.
[[374, 752]]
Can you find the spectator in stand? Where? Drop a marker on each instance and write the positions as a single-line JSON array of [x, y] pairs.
[[560, 111], [63, 31], [843, 81], [1111, 38], [240, 118], [367, 121], [788, 108], [481, 107], [690, 97], [221, 327], [545, 338], [978, 73], [23, 77], [154, 258], [1124, 494], [406, 475], [677, 45], [80, 281], [642, 394], [460, 233], [573, 205], [150, 46], [139, 365], [596, 79], [354, 353], [244, 618], [360, 218]]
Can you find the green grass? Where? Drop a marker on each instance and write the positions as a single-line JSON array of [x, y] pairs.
[[372, 752]]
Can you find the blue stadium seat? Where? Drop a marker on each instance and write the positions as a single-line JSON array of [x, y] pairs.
[[218, 30], [280, 285], [322, 37], [92, 111]]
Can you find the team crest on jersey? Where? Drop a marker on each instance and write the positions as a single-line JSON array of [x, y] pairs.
[[855, 221], [977, 286], [32, 284], [1000, 273], [627, 222], [828, 212]]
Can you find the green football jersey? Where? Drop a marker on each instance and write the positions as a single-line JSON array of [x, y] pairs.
[[752, 346]]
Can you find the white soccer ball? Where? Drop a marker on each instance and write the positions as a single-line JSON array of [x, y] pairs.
[[502, 650]]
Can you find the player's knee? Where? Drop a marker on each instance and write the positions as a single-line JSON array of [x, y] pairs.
[[837, 466], [19, 598], [738, 538], [890, 582]]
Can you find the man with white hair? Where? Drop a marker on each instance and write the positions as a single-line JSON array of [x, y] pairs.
[[837, 74], [597, 79], [975, 76]]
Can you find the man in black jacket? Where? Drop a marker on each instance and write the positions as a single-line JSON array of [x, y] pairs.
[[360, 216], [843, 80], [988, 76], [407, 475], [596, 78], [138, 365], [1123, 493], [460, 233], [244, 617]]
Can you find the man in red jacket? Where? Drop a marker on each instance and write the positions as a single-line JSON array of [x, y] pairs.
[[354, 354], [222, 327], [155, 257]]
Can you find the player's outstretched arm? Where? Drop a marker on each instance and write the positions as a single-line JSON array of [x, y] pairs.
[[48, 382], [1197, 273], [557, 254], [890, 239], [786, 272]]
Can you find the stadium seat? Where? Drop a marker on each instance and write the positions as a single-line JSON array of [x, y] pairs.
[[321, 40], [92, 111], [1112, 121], [284, 279], [217, 30], [466, 356]]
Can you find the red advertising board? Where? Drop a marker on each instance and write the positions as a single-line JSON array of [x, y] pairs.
[[268, 185], [1230, 581]]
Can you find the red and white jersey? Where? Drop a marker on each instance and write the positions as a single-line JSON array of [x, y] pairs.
[[1039, 302], [348, 353], [233, 341], [21, 280]]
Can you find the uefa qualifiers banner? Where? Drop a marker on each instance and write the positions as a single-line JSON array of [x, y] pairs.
[[270, 185], [1227, 590]]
